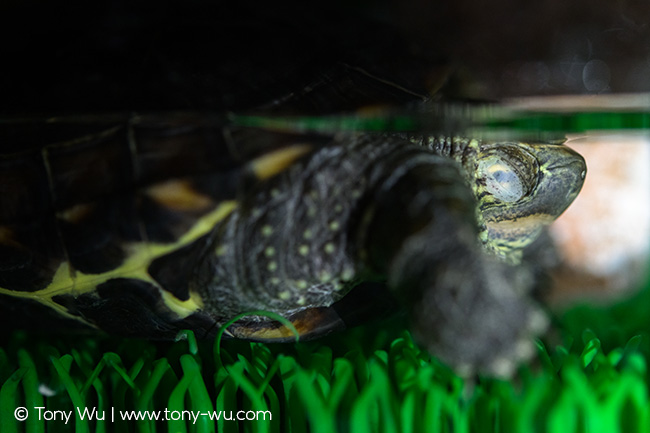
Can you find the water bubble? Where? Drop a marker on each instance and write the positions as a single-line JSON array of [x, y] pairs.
[[595, 76]]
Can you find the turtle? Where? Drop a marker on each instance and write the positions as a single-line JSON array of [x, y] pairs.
[[160, 223], [145, 224]]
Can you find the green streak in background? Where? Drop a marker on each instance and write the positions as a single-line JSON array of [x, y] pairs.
[[453, 119], [574, 122]]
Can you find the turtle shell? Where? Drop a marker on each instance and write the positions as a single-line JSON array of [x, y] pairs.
[[100, 213], [89, 224], [92, 203]]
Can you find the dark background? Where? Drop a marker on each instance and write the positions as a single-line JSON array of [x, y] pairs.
[[135, 55]]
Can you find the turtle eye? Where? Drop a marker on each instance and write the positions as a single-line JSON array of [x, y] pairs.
[[501, 179]]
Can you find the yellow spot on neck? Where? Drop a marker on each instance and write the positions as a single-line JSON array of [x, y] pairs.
[[330, 248], [325, 277], [267, 230], [347, 274], [221, 250]]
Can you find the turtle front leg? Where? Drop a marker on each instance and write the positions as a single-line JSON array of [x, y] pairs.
[[466, 307]]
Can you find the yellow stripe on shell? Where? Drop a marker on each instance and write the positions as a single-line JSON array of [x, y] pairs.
[[76, 213], [67, 281], [178, 194], [272, 163]]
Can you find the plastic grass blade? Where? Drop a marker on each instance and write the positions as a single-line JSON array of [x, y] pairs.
[[30, 388], [62, 367], [198, 394], [9, 402]]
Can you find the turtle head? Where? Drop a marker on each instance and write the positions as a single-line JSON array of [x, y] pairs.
[[521, 188]]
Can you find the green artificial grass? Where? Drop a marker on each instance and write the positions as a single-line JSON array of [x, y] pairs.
[[369, 379]]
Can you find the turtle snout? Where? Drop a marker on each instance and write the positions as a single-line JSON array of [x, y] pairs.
[[561, 179], [568, 171]]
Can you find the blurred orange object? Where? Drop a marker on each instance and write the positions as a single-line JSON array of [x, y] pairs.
[[604, 237]]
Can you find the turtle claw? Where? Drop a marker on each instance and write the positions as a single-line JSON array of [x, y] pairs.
[[470, 310]]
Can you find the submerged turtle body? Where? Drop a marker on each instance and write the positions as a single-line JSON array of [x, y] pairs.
[[147, 225], [142, 225]]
